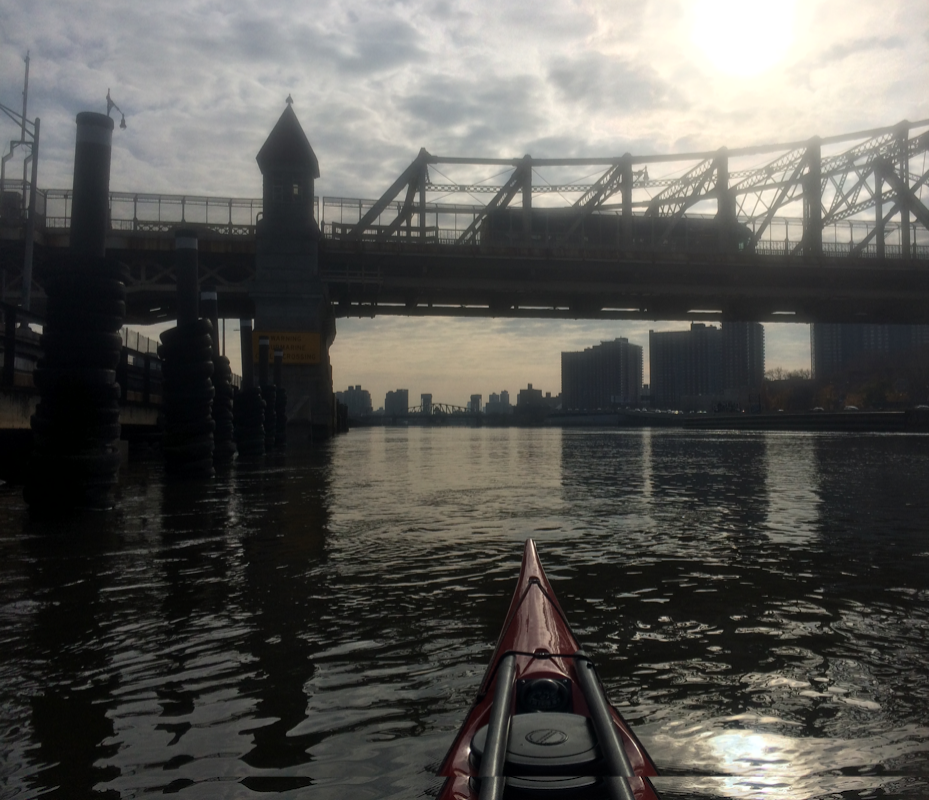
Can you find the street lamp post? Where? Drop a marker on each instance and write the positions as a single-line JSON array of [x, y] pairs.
[[110, 105], [29, 137]]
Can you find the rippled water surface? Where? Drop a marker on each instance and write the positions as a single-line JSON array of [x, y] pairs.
[[316, 627]]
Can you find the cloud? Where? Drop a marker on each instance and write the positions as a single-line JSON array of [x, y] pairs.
[[859, 47], [602, 83], [469, 116]]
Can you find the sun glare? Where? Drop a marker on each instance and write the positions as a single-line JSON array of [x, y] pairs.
[[743, 38]]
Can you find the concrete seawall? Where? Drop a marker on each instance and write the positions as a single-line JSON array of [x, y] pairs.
[[914, 420]]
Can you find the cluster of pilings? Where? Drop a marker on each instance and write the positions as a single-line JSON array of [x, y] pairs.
[[187, 352], [260, 408], [224, 431], [250, 406], [75, 461], [206, 420]]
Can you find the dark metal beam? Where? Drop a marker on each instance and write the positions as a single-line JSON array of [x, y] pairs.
[[516, 182], [813, 200], [906, 198], [408, 176]]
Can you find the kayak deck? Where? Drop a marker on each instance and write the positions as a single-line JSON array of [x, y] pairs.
[[541, 726]]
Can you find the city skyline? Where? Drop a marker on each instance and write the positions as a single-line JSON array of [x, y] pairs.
[[644, 371], [201, 86], [532, 352]]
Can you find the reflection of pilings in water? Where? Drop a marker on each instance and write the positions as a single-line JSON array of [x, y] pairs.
[[224, 431], [69, 731], [191, 513], [195, 571], [283, 590], [249, 407], [188, 369], [75, 460]]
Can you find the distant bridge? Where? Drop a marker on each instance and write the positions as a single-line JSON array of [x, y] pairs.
[[832, 229], [439, 409]]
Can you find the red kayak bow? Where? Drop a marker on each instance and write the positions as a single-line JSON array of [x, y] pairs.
[[541, 726]]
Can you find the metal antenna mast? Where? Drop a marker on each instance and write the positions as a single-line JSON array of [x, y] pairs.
[[25, 135]]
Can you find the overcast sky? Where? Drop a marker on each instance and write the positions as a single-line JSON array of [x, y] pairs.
[[202, 83]]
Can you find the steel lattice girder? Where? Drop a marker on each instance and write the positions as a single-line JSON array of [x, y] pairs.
[[847, 179]]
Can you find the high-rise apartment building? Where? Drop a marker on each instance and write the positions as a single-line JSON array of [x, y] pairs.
[[684, 364], [397, 403], [743, 356], [725, 364], [357, 400], [498, 403], [837, 346], [602, 376]]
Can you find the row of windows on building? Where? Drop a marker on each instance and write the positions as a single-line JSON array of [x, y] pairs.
[[835, 347], [702, 366]]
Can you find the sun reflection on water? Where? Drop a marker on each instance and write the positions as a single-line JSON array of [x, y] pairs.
[[754, 763]]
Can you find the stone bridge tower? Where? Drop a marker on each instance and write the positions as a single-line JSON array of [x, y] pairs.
[[292, 304]]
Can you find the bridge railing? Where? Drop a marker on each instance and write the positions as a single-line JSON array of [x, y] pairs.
[[138, 374], [788, 247], [158, 213], [445, 224], [19, 346]]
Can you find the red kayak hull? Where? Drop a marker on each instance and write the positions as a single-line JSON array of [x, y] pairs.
[[537, 631]]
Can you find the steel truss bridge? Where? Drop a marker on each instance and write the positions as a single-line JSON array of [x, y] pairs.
[[439, 410], [828, 229]]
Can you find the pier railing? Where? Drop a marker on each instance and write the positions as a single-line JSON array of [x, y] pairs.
[[138, 373]]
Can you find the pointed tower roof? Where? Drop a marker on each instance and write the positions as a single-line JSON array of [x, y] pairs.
[[287, 144]]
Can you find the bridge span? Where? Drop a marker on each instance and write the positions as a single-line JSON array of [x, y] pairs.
[[829, 230]]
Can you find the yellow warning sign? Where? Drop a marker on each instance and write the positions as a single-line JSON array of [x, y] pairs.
[[298, 347]]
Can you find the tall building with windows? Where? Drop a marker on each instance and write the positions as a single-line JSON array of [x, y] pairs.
[[397, 403], [720, 365], [837, 346], [603, 376], [684, 364], [499, 403], [357, 400], [743, 357]]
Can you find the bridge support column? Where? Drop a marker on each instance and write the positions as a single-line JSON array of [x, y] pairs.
[[813, 200], [292, 305], [903, 134], [725, 204], [527, 203], [626, 187], [301, 323], [878, 210]]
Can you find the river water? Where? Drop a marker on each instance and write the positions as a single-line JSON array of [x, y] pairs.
[[316, 626]]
